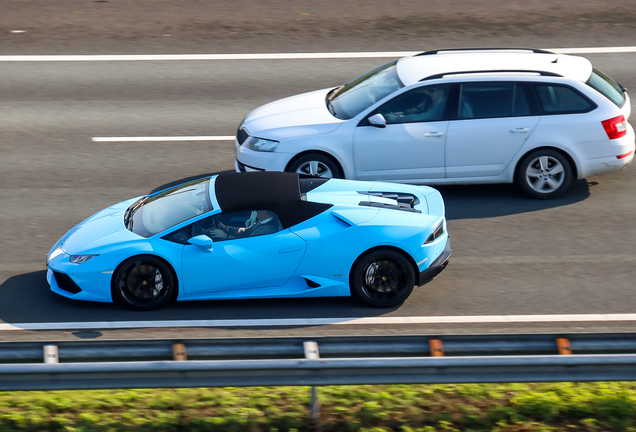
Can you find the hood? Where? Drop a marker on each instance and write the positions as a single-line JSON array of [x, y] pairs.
[[307, 111], [104, 227]]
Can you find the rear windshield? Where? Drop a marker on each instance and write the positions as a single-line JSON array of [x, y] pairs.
[[351, 99], [607, 87], [157, 213]]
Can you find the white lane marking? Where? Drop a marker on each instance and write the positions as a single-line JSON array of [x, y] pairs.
[[164, 138], [544, 259], [595, 50], [492, 319], [270, 56]]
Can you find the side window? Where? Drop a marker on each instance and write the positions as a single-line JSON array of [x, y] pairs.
[[423, 104], [521, 106], [229, 226], [485, 100], [561, 99], [179, 236]]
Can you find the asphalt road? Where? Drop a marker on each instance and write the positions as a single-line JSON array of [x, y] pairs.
[[513, 255]]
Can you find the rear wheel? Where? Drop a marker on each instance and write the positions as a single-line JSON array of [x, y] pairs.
[[544, 174], [317, 165], [143, 283], [383, 278]]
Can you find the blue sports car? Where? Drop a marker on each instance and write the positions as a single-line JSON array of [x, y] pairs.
[[256, 235]]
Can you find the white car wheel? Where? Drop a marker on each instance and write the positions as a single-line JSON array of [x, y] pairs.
[[316, 165], [545, 174]]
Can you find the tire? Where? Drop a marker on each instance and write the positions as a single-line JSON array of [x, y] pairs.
[[544, 174], [317, 165], [382, 278], [143, 282]]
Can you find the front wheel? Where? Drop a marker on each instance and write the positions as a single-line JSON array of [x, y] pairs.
[[383, 278], [143, 283], [544, 174], [316, 165]]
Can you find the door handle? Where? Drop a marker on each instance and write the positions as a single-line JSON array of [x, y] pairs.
[[282, 251], [520, 130], [434, 134]]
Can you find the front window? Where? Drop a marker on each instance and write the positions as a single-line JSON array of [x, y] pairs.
[[238, 225], [423, 104], [154, 214], [351, 99], [230, 226], [607, 87]]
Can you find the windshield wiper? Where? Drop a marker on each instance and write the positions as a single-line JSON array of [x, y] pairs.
[[334, 92], [331, 108], [130, 212]]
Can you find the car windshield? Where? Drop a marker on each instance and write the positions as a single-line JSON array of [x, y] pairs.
[[156, 213], [351, 99], [607, 87]]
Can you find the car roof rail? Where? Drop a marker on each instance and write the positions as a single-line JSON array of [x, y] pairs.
[[525, 71], [534, 50]]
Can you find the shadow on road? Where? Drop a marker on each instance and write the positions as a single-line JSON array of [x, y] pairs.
[[484, 201], [27, 299]]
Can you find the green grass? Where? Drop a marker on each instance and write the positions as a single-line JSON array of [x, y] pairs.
[[596, 407]]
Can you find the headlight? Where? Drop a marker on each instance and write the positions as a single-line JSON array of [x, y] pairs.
[[58, 251], [78, 259], [260, 144]]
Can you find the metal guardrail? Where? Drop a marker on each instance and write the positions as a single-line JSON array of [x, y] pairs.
[[331, 361], [221, 373], [330, 347]]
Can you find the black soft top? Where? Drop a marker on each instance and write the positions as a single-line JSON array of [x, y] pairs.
[[283, 193]]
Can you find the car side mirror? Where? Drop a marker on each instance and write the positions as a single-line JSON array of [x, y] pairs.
[[377, 120], [202, 242]]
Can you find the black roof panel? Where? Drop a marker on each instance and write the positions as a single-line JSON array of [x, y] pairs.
[[275, 191]]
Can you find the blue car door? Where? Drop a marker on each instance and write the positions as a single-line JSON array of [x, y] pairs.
[[242, 263]]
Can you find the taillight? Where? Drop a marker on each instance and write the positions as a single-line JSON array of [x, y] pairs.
[[615, 127]]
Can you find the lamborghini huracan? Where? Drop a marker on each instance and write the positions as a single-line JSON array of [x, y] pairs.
[[256, 235]]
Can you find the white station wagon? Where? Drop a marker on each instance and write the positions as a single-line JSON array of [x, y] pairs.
[[451, 117]]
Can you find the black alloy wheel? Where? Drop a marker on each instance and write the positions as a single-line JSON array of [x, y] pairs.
[[383, 278], [143, 283]]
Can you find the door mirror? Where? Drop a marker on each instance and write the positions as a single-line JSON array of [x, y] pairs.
[[377, 120], [201, 241]]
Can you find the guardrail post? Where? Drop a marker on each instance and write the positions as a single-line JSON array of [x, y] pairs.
[[563, 344], [179, 352], [51, 354], [311, 353], [437, 348]]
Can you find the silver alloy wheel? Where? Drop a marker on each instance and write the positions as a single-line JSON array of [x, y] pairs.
[[545, 174], [315, 168]]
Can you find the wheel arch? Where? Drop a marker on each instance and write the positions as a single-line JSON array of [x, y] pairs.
[[333, 158], [573, 165], [160, 258], [393, 248]]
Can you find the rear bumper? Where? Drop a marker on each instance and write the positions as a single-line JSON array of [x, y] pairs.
[[437, 266]]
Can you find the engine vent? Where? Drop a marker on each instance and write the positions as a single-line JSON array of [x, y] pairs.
[[403, 201]]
